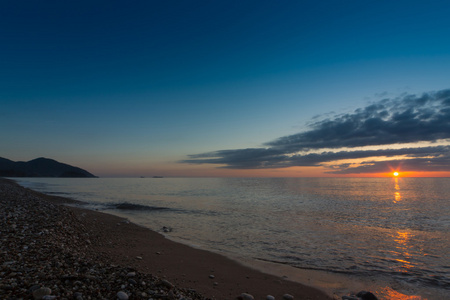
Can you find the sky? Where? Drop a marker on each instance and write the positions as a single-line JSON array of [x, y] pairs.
[[228, 88]]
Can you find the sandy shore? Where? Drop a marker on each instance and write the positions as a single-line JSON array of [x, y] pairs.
[[107, 245]]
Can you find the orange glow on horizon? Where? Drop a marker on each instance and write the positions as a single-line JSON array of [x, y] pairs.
[[150, 168]]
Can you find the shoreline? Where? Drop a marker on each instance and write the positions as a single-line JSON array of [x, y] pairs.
[[130, 239], [110, 240]]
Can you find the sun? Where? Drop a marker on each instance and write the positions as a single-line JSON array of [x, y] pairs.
[[395, 174]]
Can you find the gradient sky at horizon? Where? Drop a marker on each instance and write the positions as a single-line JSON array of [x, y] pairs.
[[131, 89]]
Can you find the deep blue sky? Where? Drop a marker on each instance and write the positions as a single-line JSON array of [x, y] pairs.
[[132, 88]]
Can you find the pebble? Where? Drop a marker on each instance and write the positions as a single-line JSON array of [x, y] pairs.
[[41, 292], [288, 297], [245, 296], [166, 283], [270, 297], [364, 295], [33, 288], [122, 295], [211, 276]]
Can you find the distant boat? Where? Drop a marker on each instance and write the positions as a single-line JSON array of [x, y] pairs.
[[158, 177], [142, 176]]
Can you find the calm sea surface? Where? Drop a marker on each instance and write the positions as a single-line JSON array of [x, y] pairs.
[[397, 228]]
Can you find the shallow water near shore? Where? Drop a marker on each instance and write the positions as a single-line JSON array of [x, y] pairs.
[[384, 230]]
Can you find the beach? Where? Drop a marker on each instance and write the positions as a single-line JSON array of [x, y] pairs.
[[69, 252]]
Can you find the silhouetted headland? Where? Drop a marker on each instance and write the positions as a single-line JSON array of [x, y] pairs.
[[41, 167]]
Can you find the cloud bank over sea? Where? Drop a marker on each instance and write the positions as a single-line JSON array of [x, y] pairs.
[[411, 131]]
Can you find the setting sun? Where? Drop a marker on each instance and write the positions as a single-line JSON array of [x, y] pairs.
[[395, 174]]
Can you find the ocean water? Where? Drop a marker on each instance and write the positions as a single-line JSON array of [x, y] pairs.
[[397, 229]]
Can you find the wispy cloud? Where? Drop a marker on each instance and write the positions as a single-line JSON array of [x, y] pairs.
[[408, 120]]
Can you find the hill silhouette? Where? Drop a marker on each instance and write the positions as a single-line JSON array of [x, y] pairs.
[[40, 167]]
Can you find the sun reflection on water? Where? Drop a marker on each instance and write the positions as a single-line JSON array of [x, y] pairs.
[[388, 293], [397, 196], [402, 240]]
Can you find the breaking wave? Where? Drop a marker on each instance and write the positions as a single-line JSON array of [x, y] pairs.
[[132, 206]]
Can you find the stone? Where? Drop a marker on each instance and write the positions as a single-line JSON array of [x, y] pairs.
[[270, 297], [211, 276], [245, 296], [166, 283], [122, 295], [33, 288], [366, 296], [288, 297], [41, 292], [78, 296]]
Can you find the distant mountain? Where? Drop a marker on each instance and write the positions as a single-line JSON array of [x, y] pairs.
[[40, 167]]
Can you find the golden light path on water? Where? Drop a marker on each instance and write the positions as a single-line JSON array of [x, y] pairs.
[[402, 240]]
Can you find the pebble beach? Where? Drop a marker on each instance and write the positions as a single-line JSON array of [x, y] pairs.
[[46, 254], [50, 250]]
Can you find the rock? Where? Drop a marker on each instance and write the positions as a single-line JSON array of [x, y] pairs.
[[366, 296], [166, 283], [131, 274], [350, 298], [122, 295], [211, 276], [245, 296], [288, 297], [139, 257], [270, 297], [41, 292], [33, 288], [78, 296]]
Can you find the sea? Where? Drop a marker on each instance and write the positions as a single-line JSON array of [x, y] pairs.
[[390, 230]]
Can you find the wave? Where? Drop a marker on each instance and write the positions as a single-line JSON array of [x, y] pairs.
[[132, 206]]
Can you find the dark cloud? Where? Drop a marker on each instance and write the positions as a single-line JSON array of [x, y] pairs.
[[251, 158], [406, 119]]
